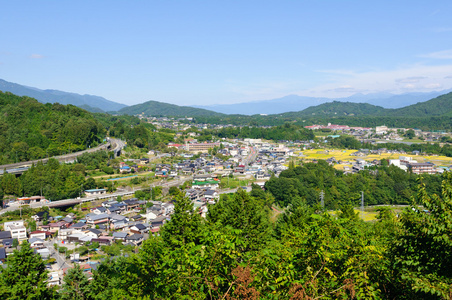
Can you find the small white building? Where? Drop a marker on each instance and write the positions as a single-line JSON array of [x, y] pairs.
[[17, 229]]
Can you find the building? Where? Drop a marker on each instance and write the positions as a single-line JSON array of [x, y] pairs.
[[95, 192], [17, 229], [200, 147], [419, 168]]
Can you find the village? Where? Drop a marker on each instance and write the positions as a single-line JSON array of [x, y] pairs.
[[117, 226]]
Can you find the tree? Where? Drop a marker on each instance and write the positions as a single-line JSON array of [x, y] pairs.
[[25, 276], [421, 253], [76, 285], [410, 134], [185, 225]]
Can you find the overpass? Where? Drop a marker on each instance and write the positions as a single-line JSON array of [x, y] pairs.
[[73, 202], [112, 144]]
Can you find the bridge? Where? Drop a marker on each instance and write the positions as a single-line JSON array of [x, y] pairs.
[[112, 144], [73, 202]]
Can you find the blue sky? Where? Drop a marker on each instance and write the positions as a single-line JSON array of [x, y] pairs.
[[211, 52]]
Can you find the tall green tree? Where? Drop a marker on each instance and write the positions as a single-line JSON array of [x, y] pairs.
[[75, 285], [185, 225]]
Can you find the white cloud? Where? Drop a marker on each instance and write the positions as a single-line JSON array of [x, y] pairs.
[[445, 54], [409, 86], [36, 56], [394, 81], [433, 86], [410, 79]]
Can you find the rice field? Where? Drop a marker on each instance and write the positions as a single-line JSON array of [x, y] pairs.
[[345, 155]]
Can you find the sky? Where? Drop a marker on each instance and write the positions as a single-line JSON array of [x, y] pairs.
[[220, 52]]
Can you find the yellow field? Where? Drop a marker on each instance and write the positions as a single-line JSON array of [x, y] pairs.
[[365, 216], [345, 155]]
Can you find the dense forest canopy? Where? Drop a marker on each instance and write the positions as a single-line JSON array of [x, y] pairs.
[[31, 130], [239, 252]]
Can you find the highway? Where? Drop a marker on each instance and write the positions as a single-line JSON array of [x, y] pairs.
[[20, 167]]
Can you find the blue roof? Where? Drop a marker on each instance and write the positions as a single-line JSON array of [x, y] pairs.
[[95, 190]]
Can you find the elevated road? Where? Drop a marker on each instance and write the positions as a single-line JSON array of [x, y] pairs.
[[72, 202], [114, 145]]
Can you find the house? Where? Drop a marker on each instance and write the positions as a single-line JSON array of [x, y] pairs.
[[36, 243], [79, 226], [94, 233], [138, 228], [131, 204], [118, 221], [93, 219], [158, 222], [210, 195], [40, 216], [149, 216], [4, 235], [168, 208], [39, 234], [99, 210], [2, 255], [120, 236], [135, 239]]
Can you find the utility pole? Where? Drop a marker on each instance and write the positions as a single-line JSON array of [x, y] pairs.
[[362, 203]]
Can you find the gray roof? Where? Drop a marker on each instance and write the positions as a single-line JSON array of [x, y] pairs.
[[119, 235], [94, 217], [5, 235], [140, 226], [2, 253], [134, 237], [35, 239]]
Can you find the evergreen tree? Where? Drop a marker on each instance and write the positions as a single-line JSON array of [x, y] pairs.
[[185, 224], [76, 285]]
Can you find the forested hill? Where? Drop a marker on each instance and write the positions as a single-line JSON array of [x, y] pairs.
[[439, 106], [156, 108], [337, 108], [32, 130]]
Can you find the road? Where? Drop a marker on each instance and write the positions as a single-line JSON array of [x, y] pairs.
[[67, 158], [67, 202], [62, 262]]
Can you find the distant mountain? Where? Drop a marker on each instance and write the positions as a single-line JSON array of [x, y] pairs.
[[53, 96], [293, 103], [338, 109], [155, 108]]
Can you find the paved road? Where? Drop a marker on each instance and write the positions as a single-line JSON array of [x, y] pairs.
[[62, 262], [67, 202], [115, 143]]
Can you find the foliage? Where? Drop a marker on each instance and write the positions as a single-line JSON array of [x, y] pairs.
[[25, 276], [75, 285], [419, 253], [31, 130]]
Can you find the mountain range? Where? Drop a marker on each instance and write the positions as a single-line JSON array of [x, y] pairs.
[[87, 102], [293, 103], [292, 106]]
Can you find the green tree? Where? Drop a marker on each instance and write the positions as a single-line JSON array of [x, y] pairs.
[[421, 253], [75, 285], [25, 276], [410, 134], [185, 225]]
